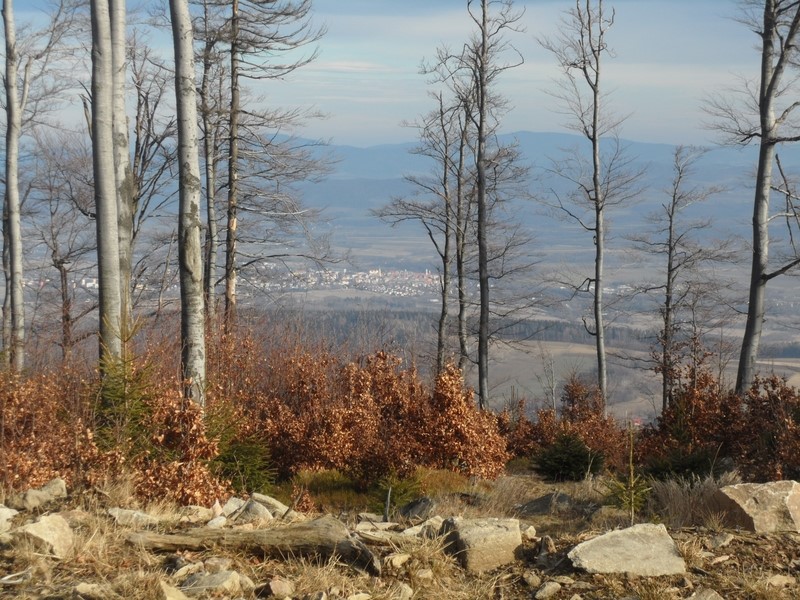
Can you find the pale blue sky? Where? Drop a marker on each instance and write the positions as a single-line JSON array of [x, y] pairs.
[[670, 55]]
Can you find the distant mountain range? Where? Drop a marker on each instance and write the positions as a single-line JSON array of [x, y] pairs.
[[367, 178]]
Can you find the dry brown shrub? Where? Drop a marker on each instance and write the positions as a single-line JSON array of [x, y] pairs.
[[368, 417], [759, 432], [581, 417], [41, 436]]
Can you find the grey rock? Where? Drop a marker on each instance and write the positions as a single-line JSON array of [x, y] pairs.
[[217, 564], [196, 514], [372, 526], [37, 497], [780, 581], [532, 579], [232, 505], [720, 540], [645, 550], [215, 584], [6, 514], [418, 510], [94, 591], [251, 512], [132, 518], [278, 509], [51, 534], [427, 530], [403, 591], [548, 590], [482, 544], [278, 587], [369, 517], [546, 552], [217, 522], [761, 507], [545, 505]]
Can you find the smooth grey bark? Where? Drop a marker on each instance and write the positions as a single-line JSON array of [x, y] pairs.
[[189, 246], [592, 72], [462, 219], [123, 172], [779, 29], [105, 185], [11, 212]]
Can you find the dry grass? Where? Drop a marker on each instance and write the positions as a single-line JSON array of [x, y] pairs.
[[685, 502], [102, 557]]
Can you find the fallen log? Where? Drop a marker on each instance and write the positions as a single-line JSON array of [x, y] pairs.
[[324, 537]]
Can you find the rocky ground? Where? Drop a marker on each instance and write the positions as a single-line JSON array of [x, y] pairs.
[[519, 538]]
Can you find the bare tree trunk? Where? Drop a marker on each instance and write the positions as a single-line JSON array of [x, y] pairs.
[[599, 261], [483, 247], [209, 151], [12, 199], [105, 188], [597, 49], [233, 175], [126, 196], [66, 308], [461, 226], [189, 247], [7, 291], [773, 63]]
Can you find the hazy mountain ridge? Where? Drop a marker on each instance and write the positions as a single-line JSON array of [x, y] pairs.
[[363, 179]]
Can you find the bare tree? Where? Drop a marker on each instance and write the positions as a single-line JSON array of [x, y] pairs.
[[434, 204], [214, 96], [674, 240], [471, 76], [482, 58], [105, 185], [608, 178], [767, 116], [28, 94], [190, 252], [11, 212], [258, 33], [61, 193], [154, 157], [123, 172]]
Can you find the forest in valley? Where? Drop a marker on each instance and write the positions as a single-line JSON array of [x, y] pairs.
[[144, 333]]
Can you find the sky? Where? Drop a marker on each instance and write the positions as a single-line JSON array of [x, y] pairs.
[[669, 56]]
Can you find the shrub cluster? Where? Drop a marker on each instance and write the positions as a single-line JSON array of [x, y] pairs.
[[569, 444], [367, 418], [268, 413], [707, 428]]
